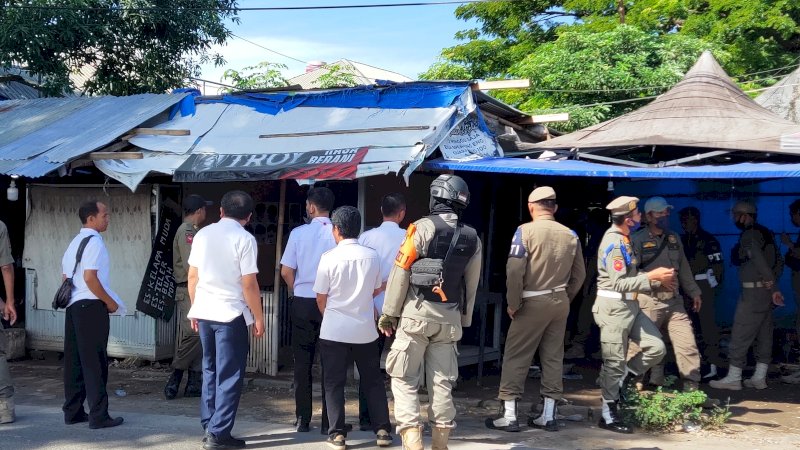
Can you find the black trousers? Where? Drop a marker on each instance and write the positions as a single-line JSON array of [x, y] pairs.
[[336, 357], [363, 406], [306, 320], [85, 360]]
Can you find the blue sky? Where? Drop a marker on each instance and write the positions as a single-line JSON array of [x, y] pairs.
[[405, 40]]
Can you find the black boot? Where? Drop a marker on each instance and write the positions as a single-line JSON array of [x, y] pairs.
[[501, 423], [194, 384], [171, 389], [627, 387], [611, 419]]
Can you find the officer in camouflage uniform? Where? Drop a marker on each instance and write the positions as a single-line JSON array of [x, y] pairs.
[[760, 266], [658, 246], [617, 313], [544, 272], [188, 351], [431, 293], [704, 254]]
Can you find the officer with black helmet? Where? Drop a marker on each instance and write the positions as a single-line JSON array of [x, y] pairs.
[[430, 296]]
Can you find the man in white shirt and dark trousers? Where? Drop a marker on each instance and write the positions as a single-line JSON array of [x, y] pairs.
[[87, 324], [348, 278], [385, 240], [299, 265], [225, 300]]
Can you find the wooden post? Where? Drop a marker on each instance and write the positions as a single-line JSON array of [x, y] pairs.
[[276, 287]]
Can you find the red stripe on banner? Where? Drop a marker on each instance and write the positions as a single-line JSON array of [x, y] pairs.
[[330, 171]]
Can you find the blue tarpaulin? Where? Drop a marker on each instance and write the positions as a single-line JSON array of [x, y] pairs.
[[403, 96], [573, 168]]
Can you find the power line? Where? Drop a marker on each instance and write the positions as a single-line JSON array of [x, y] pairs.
[[269, 49], [263, 8]]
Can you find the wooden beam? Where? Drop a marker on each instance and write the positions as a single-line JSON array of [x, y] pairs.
[[353, 131], [160, 132], [115, 147], [501, 84], [543, 118], [96, 156], [513, 125]]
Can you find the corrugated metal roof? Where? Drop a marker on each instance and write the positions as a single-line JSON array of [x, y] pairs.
[[13, 90], [37, 136]]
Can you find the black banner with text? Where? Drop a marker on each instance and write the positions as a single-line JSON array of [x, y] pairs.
[[157, 293]]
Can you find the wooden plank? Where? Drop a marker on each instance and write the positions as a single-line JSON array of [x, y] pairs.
[[160, 132], [96, 156], [501, 84], [115, 147], [353, 131], [543, 118]]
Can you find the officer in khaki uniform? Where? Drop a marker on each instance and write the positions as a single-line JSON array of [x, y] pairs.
[[793, 263], [704, 254], [431, 293], [658, 246], [617, 313], [8, 311], [188, 351], [544, 272], [760, 266]]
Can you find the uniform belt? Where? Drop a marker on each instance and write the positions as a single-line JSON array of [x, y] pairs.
[[701, 276], [617, 295], [183, 284], [526, 294], [751, 284]]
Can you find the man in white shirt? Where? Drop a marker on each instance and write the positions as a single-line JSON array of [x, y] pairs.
[[87, 324], [348, 278], [299, 265], [385, 240], [225, 300]]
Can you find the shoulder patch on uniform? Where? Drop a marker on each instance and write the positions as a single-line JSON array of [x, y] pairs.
[[408, 251], [608, 250], [189, 237], [618, 265], [626, 256], [649, 244], [517, 247]]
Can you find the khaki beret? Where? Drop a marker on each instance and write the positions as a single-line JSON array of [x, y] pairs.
[[542, 193], [743, 206], [622, 205]]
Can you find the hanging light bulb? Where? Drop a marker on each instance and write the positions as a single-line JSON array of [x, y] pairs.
[[12, 193]]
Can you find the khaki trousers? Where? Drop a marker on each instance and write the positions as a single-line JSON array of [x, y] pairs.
[[433, 344], [6, 385], [188, 350], [752, 323], [539, 323], [708, 323], [670, 317], [621, 320]]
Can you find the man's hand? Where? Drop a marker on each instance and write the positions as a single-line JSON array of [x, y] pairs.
[[10, 312], [112, 307], [698, 302], [787, 241], [663, 275], [258, 327], [387, 324], [511, 311], [777, 298], [195, 325]]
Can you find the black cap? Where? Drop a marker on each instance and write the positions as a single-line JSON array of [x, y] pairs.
[[194, 202]]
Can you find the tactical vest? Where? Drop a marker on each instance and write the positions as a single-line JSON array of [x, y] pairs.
[[453, 272], [769, 240]]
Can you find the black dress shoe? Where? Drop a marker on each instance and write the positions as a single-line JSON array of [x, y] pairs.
[[365, 426], [214, 443], [617, 427], [173, 384], [512, 426], [301, 425], [78, 418], [108, 423]]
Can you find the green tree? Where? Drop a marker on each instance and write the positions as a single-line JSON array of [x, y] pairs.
[[338, 75], [263, 75], [584, 67], [125, 46]]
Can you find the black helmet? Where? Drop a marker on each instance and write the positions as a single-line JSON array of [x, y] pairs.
[[450, 189]]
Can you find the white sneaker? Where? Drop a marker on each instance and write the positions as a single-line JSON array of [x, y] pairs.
[[792, 378], [756, 383]]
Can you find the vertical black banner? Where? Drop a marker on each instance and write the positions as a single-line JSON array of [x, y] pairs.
[[157, 294]]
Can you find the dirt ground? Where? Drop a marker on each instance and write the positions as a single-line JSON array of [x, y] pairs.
[[761, 419]]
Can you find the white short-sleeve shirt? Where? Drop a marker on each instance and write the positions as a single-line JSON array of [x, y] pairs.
[[349, 274], [386, 241], [223, 253], [94, 257], [306, 245]]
